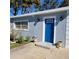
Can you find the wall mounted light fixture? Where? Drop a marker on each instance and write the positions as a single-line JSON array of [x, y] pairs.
[[36, 21], [61, 18]]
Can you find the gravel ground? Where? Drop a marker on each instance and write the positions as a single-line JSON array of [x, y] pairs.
[[29, 51]]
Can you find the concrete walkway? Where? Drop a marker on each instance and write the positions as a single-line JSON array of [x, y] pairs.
[[30, 51]]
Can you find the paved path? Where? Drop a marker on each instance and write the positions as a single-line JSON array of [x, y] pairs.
[[29, 51]]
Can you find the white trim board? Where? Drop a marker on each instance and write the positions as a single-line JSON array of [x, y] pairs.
[[43, 40]]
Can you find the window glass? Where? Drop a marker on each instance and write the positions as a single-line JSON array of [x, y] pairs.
[[21, 25]]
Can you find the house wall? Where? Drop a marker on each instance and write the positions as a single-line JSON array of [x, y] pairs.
[[36, 28], [62, 29]]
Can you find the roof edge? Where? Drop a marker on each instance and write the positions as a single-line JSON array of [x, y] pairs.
[[43, 12]]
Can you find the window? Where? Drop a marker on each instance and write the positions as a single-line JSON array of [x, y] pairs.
[[49, 20], [21, 25]]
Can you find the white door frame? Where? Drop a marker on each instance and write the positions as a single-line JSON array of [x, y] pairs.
[[43, 40]]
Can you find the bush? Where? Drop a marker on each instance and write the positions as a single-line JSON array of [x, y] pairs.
[[23, 39], [13, 45], [20, 39], [13, 35], [27, 38]]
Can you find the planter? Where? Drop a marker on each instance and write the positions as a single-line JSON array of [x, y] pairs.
[[34, 39], [59, 44]]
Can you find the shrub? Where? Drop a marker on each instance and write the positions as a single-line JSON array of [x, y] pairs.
[[27, 38], [13, 35], [13, 45], [21, 39]]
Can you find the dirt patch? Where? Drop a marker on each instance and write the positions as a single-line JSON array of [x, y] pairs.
[[30, 51]]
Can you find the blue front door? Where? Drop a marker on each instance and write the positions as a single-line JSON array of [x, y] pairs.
[[49, 30]]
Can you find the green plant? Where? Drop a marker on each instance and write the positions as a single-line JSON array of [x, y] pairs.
[[21, 39], [27, 38], [13, 34], [13, 45]]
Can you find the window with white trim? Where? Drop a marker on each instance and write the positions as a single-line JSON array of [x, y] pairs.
[[21, 25]]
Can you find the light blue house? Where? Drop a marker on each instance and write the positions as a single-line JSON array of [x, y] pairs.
[[47, 26]]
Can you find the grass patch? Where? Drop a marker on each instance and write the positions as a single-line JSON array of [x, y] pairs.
[[20, 41], [14, 45]]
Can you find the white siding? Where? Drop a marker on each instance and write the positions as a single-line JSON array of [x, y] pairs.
[[61, 31]]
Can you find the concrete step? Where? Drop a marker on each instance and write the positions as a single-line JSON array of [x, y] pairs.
[[46, 45]]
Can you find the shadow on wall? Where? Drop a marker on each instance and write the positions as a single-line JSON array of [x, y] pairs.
[[60, 18], [36, 21]]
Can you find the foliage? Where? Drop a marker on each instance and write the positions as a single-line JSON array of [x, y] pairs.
[[13, 45], [13, 35], [27, 38], [20, 39], [38, 6], [64, 3], [23, 39]]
